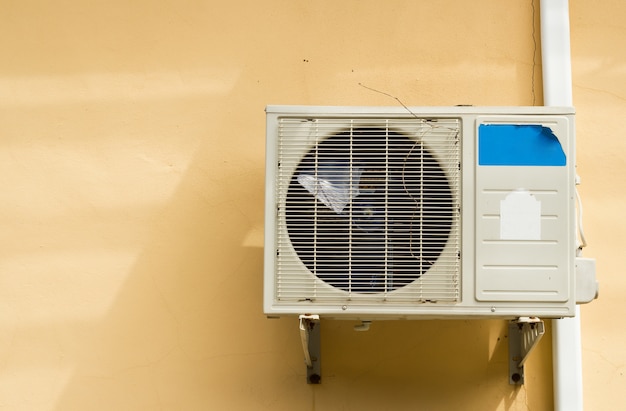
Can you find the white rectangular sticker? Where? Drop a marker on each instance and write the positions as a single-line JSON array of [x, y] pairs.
[[520, 216]]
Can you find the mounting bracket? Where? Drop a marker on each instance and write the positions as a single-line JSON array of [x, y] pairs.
[[311, 342], [524, 334]]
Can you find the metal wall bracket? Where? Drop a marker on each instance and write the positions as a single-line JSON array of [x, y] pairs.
[[524, 334], [311, 342]]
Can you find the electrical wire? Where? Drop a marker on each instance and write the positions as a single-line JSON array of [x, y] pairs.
[[581, 231]]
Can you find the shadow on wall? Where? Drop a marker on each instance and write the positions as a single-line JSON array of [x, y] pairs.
[[178, 332], [425, 364]]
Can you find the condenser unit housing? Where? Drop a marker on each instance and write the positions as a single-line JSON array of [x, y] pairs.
[[439, 212]]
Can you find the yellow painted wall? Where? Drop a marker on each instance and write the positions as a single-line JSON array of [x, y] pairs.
[[598, 39], [132, 183]]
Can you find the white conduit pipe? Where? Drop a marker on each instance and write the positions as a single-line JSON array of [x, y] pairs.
[[557, 91]]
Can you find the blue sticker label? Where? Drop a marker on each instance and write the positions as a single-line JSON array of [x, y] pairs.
[[518, 145]]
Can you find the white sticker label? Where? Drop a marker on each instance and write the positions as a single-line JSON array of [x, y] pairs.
[[520, 216]]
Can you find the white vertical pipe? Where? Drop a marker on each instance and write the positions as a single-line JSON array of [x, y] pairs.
[[555, 53], [557, 91]]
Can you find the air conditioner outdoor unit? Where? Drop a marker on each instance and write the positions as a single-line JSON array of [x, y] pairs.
[[394, 213]]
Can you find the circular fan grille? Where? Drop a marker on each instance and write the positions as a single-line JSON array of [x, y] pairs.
[[368, 210]]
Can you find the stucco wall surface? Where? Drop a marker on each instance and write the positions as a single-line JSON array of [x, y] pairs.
[[132, 185]]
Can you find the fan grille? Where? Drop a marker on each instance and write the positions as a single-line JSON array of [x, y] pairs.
[[368, 209]]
